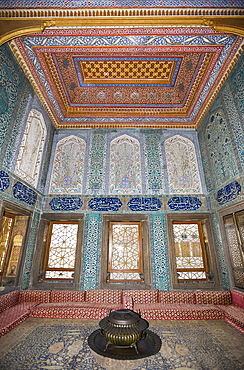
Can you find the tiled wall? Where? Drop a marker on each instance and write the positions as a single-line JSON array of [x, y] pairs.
[[221, 139]]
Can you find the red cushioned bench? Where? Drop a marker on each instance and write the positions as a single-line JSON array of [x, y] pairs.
[[16, 306], [91, 304]]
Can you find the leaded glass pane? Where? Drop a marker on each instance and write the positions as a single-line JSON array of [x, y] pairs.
[[188, 251], [4, 239], [19, 231], [62, 250], [125, 252], [191, 275]]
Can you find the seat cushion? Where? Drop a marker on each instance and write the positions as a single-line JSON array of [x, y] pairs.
[[238, 298], [104, 296], [142, 295], [67, 296], [181, 312], [39, 296], [11, 317], [213, 297], [8, 300], [176, 297]]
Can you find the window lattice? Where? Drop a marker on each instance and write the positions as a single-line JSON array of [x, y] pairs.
[[188, 252], [125, 252], [61, 257]]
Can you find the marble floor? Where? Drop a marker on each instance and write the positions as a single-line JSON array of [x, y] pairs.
[[62, 344]]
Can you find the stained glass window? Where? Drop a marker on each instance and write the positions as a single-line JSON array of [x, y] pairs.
[[189, 252], [125, 165], [30, 153], [62, 250], [182, 167], [68, 166], [125, 251]]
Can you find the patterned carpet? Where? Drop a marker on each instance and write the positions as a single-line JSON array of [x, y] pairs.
[[62, 344]]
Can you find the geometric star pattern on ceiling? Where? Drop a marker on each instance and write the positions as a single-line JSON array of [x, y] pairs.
[[141, 77]]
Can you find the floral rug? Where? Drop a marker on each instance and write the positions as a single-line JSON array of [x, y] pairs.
[[62, 344]]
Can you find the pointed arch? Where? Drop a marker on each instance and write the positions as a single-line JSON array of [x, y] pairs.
[[182, 166], [31, 148], [125, 165], [68, 166]]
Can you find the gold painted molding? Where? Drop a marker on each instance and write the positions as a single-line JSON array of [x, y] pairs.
[[11, 28], [8, 36]]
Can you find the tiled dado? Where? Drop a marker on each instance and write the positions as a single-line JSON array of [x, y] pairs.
[[126, 203], [18, 191]]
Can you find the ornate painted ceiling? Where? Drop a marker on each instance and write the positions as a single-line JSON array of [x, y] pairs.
[[107, 72]]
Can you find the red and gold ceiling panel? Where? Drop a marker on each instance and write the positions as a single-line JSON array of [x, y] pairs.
[[145, 77]]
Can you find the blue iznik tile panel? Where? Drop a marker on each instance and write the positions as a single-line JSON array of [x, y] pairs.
[[30, 251], [235, 118], [221, 138], [228, 192], [96, 164], [159, 253], [13, 100], [105, 204], [4, 180], [91, 253], [220, 252], [184, 203], [154, 163], [237, 79], [148, 204], [65, 203], [24, 193]]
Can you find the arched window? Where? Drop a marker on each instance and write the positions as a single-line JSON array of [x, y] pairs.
[[68, 166], [182, 168], [31, 148], [125, 166]]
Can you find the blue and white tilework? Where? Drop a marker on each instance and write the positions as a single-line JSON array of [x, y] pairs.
[[184, 203], [24, 193], [104, 204], [234, 115], [148, 204], [159, 253], [30, 251], [220, 252], [91, 253], [96, 163], [65, 203], [154, 163], [4, 180], [229, 192]]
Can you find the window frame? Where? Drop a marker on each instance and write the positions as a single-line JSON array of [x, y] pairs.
[[229, 209], [41, 253], [211, 260], [47, 251], [146, 282], [13, 210], [110, 251], [205, 267]]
